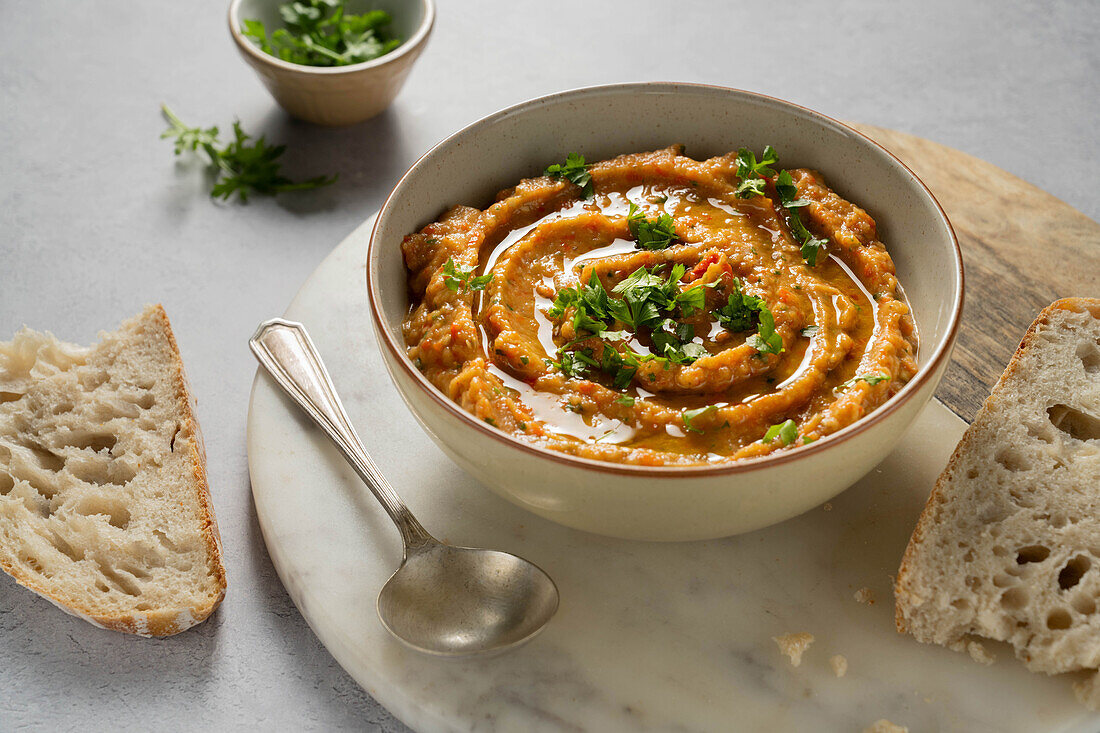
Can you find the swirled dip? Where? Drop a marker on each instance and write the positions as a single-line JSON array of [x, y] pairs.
[[771, 354]]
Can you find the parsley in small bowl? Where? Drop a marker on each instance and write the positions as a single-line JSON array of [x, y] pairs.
[[331, 62], [324, 33]]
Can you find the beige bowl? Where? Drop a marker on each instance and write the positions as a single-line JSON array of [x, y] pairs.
[[668, 503], [339, 95]]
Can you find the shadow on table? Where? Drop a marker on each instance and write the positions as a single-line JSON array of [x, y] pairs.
[[368, 158], [288, 625], [73, 653]]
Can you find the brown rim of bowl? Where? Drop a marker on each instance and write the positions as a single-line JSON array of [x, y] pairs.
[[750, 464], [417, 39]]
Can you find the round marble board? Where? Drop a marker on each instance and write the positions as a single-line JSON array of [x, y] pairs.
[[649, 637]]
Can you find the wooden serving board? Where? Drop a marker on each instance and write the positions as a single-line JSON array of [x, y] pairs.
[[1022, 249]]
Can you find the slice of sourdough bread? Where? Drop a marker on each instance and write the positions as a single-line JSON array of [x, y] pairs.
[[1008, 546], [104, 507]]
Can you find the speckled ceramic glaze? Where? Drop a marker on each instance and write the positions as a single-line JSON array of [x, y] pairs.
[[665, 503], [341, 95]]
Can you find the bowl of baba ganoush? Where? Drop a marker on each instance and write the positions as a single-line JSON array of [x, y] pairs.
[[664, 311]]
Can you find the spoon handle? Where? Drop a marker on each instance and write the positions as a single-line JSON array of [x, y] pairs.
[[286, 351]]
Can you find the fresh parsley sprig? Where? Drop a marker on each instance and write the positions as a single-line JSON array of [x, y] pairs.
[[752, 172], [458, 278], [650, 234], [323, 33], [241, 167], [811, 246], [574, 170], [741, 311], [766, 340]]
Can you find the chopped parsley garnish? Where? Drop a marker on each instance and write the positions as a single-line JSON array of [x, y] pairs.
[[751, 172], [568, 364], [646, 302], [575, 171], [650, 234], [811, 246], [871, 379], [460, 278], [690, 415], [625, 399], [240, 167], [766, 340], [786, 431], [322, 33], [740, 311]]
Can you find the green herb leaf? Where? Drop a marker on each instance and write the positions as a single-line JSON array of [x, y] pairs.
[[240, 167], [766, 340], [647, 303], [650, 234], [569, 365], [871, 379], [691, 299], [811, 246], [690, 415], [458, 278], [575, 171], [740, 311], [322, 33], [786, 431], [751, 172], [625, 399]]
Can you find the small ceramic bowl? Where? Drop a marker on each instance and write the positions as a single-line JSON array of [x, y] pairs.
[[668, 503], [337, 95]]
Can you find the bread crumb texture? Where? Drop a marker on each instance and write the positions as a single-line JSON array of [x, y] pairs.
[[1008, 547], [793, 645], [882, 725], [979, 653], [839, 665], [865, 596], [104, 507]]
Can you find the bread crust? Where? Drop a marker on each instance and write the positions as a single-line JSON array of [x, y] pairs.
[[902, 593], [163, 621]]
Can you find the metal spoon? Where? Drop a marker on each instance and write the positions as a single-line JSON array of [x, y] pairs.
[[443, 600]]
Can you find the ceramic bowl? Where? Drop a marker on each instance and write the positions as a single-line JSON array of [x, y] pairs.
[[338, 95], [668, 503]]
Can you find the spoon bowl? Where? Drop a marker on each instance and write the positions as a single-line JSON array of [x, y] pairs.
[[452, 601], [443, 600]]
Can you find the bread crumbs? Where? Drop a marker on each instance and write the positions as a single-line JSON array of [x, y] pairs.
[[793, 645], [865, 595], [839, 665]]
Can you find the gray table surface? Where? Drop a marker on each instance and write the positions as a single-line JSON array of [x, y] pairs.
[[96, 219]]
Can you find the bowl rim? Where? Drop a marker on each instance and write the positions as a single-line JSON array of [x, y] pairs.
[[924, 372], [415, 41]]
